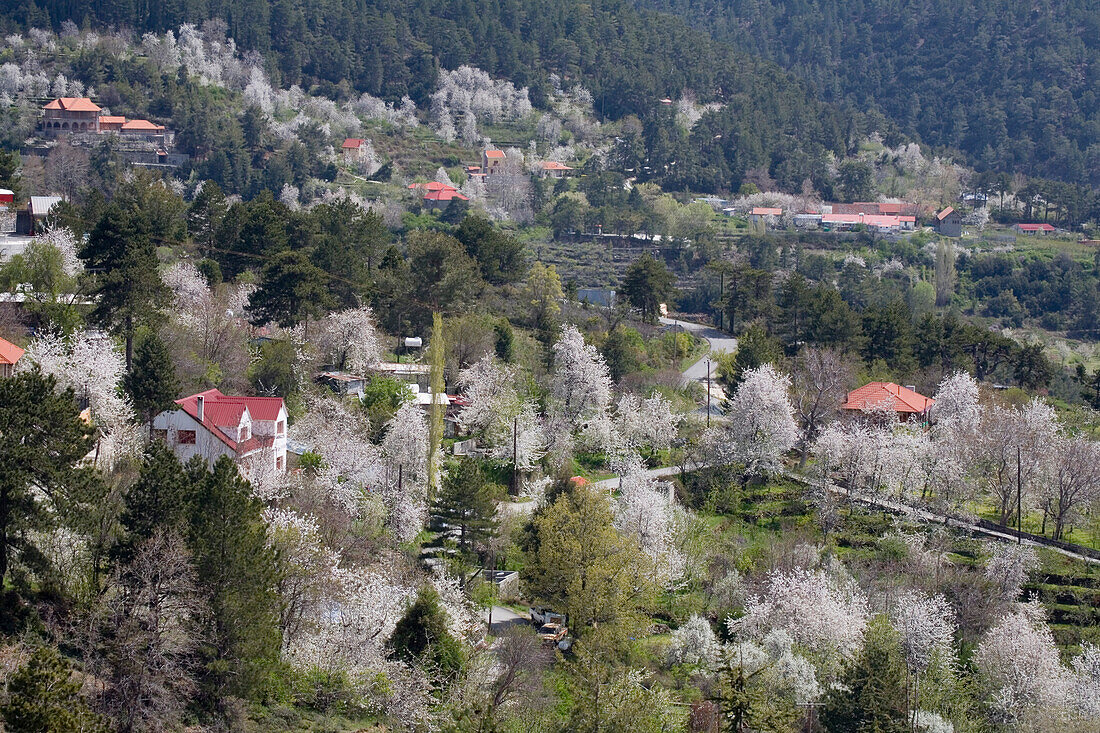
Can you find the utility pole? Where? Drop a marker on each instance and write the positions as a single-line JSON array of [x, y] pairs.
[[1019, 500], [708, 391], [515, 456]]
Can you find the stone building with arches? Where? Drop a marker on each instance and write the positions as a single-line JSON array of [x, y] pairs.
[[69, 115]]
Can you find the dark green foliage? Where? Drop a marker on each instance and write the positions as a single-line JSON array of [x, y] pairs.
[[465, 508], [873, 692], [1090, 386], [37, 421], [158, 500], [444, 278], [421, 635], [121, 256], [755, 348], [236, 568], [504, 345], [292, 289], [499, 255], [382, 398], [888, 334], [623, 350], [273, 374], [647, 284], [43, 697], [152, 379], [9, 167], [348, 245]]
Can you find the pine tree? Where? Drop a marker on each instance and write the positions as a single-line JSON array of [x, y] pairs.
[[871, 696], [236, 567], [292, 290], [157, 500], [37, 422], [43, 698], [465, 508], [151, 381], [422, 635], [647, 284], [121, 256]]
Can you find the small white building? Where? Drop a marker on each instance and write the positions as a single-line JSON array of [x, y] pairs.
[[250, 430]]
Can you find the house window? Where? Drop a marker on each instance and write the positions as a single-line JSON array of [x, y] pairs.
[[246, 433], [280, 428], [279, 463], [185, 437]]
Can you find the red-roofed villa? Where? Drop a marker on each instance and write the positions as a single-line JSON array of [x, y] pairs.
[[1034, 228], [250, 430], [887, 395], [10, 354], [554, 169]]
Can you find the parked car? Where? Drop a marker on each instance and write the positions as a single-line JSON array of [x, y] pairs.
[[553, 633], [540, 616]]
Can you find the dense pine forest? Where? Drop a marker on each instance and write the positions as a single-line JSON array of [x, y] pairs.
[[1011, 84]]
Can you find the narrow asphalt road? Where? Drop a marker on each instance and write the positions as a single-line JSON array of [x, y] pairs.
[[502, 618], [720, 343]]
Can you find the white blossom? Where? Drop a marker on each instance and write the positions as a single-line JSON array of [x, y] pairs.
[[1009, 565], [956, 405], [927, 628], [405, 450], [350, 339], [581, 384], [694, 643], [761, 427], [644, 511]]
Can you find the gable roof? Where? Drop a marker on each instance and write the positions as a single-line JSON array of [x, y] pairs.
[[137, 125], [41, 205], [112, 119], [494, 154], [444, 194], [433, 186], [221, 411], [766, 211], [1035, 227], [73, 104], [9, 352], [553, 165], [352, 143], [887, 394], [945, 213]]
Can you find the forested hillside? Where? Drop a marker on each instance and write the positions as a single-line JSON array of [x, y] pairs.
[[629, 60], [1011, 84]]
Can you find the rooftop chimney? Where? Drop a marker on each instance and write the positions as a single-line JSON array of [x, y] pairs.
[[198, 406]]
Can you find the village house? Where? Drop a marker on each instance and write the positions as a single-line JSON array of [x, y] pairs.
[[553, 169], [10, 354], [873, 208], [250, 430], [353, 149], [75, 115], [7, 197], [904, 401], [1033, 229], [948, 223], [760, 214], [884, 223], [31, 221], [493, 161]]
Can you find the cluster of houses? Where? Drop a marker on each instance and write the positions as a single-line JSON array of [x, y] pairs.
[[78, 117], [882, 218]]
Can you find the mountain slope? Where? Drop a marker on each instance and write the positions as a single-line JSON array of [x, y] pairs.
[[1012, 84]]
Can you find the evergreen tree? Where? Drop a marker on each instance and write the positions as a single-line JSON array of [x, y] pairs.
[[499, 255], [204, 218], [9, 172], [421, 635], [755, 348], [43, 697], [151, 381], [237, 568], [291, 290], [647, 284], [41, 440], [157, 500], [436, 351], [465, 508], [504, 344], [121, 257], [871, 696]]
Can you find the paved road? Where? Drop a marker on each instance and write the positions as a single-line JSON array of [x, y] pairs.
[[503, 618], [720, 343]]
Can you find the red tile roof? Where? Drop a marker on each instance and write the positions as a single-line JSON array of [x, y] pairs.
[[112, 119], [445, 194], [222, 411], [493, 154], [433, 186], [887, 394], [141, 126], [553, 165], [352, 143], [73, 104], [766, 211], [9, 352], [1035, 227], [943, 214]]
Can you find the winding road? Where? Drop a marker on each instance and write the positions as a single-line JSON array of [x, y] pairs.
[[720, 343]]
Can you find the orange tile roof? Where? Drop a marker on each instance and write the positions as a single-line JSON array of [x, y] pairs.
[[9, 352], [553, 165], [433, 186], [943, 214], [352, 143], [112, 119], [73, 104], [141, 125], [887, 394], [494, 154], [765, 211]]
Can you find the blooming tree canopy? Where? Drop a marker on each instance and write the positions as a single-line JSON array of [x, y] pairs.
[[761, 425], [350, 339]]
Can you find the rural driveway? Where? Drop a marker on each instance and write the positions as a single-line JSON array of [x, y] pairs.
[[720, 343], [503, 618]]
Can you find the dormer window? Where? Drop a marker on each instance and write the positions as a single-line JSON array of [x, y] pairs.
[[280, 427], [245, 433]]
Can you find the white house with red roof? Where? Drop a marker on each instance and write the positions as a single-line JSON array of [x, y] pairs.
[[1034, 228], [493, 161], [906, 402], [553, 169], [210, 424], [353, 149]]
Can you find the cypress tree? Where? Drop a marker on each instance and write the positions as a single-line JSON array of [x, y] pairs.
[[152, 379]]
